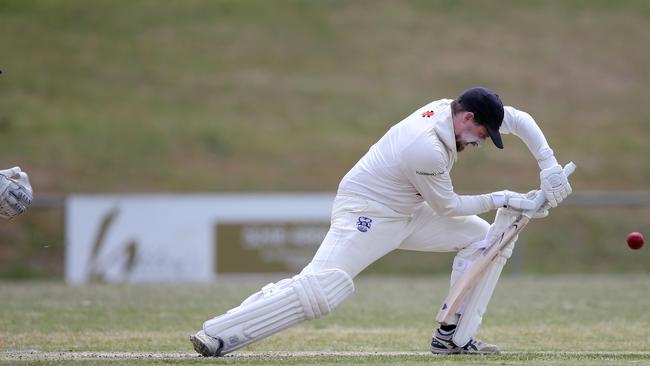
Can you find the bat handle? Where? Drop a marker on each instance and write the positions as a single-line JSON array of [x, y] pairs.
[[540, 198]]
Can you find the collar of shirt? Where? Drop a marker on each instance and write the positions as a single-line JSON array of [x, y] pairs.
[[444, 128]]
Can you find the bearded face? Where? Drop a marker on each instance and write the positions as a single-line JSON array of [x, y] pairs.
[[467, 138]]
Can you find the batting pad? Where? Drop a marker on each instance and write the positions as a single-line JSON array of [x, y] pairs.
[[278, 306], [475, 305]]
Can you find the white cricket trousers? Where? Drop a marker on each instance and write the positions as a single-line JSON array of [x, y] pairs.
[[363, 231]]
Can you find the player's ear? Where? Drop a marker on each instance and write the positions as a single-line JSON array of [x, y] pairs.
[[469, 116]]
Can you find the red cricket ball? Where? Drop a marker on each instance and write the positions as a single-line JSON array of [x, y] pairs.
[[635, 240]]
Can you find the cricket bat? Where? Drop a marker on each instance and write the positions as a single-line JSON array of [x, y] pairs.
[[468, 280]]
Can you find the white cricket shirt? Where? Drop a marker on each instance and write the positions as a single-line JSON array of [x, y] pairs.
[[410, 164]]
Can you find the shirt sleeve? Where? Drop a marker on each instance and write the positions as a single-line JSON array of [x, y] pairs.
[[522, 125], [425, 165]]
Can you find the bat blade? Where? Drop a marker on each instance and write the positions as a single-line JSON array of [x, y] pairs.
[[468, 280]]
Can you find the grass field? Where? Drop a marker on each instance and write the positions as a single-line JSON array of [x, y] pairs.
[[541, 320], [266, 96]]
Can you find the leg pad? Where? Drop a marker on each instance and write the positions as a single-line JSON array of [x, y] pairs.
[[278, 306]]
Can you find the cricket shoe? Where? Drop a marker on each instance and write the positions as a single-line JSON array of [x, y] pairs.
[[442, 344], [205, 345], [477, 347]]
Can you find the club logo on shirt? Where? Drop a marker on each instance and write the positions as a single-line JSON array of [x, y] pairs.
[[428, 114], [433, 174], [363, 223]]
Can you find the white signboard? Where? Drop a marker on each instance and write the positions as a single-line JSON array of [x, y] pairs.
[[157, 238]]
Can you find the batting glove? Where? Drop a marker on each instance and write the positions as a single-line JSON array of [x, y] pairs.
[[512, 200], [542, 212], [555, 185]]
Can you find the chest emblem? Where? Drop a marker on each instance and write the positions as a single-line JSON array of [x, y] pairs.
[[363, 223]]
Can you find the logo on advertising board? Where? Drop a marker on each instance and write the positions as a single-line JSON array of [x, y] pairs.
[[135, 239], [267, 247], [123, 256]]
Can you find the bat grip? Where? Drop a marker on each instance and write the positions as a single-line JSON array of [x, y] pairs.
[[540, 198]]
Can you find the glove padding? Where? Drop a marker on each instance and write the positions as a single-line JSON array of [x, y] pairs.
[[15, 194], [555, 185], [512, 200], [541, 213]]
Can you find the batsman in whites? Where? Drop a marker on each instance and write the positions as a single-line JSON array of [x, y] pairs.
[[400, 195]]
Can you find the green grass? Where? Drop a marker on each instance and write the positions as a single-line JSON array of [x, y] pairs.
[[255, 95], [547, 320], [560, 359], [287, 95]]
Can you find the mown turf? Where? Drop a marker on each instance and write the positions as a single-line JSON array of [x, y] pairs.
[[524, 358], [548, 320]]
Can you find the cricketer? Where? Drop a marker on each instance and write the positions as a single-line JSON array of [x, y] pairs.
[[400, 195]]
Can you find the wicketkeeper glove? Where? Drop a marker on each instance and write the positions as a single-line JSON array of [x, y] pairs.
[[555, 185], [15, 194]]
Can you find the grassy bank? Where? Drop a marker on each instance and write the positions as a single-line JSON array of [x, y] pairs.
[[287, 95], [207, 96]]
